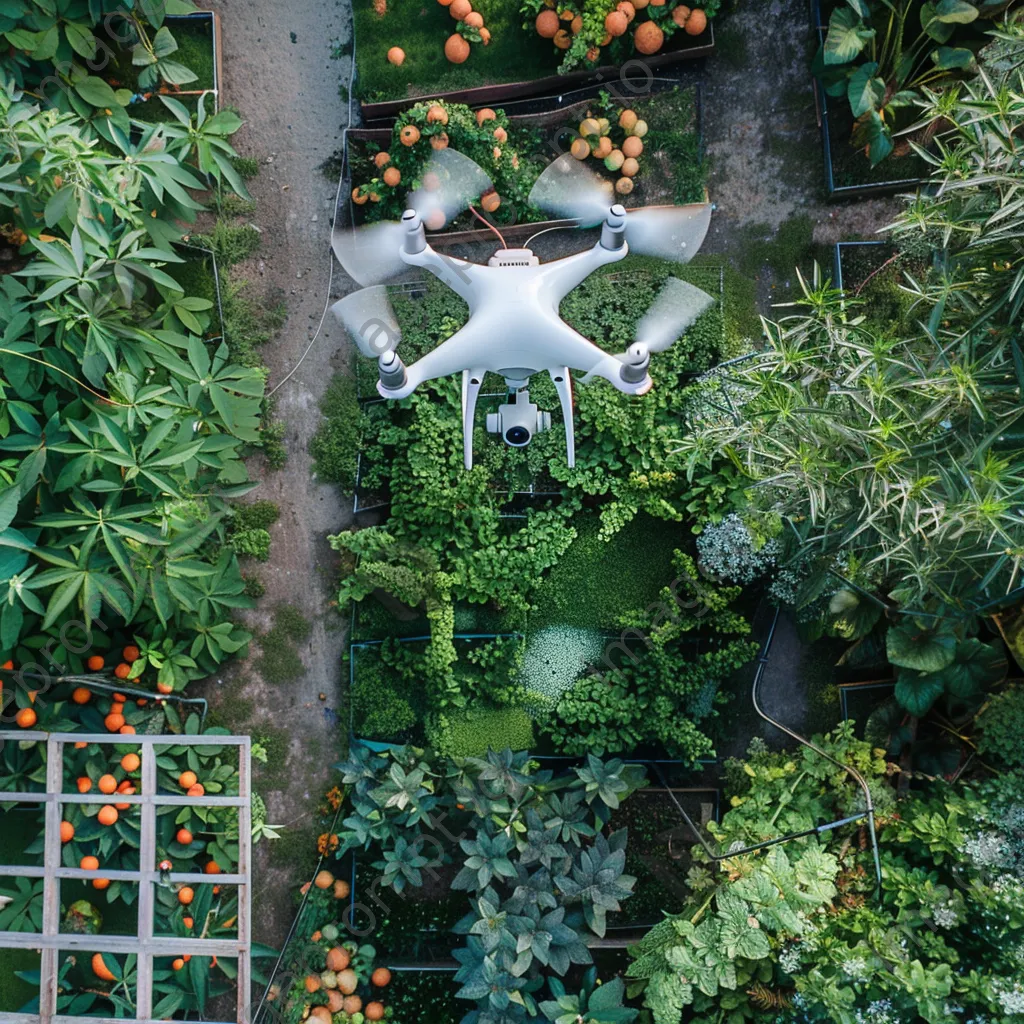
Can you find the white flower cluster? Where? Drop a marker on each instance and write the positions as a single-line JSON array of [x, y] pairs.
[[556, 656], [855, 968], [945, 915], [729, 552], [1010, 996], [880, 1011], [789, 957], [989, 850]]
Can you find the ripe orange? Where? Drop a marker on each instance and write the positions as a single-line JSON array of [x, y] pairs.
[[89, 863], [67, 831], [187, 922], [130, 653], [127, 730], [94, 664], [120, 698], [212, 868], [131, 762], [185, 895], [184, 837], [187, 957], [197, 790], [84, 784], [100, 969], [374, 1011], [26, 718], [80, 745], [125, 786], [381, 977], [216, 890], [122, 670], [142, 702], [312, 983], [323, 880], [100, 883], [80, 695], [8, 665], [187, 779], [352, 1004], [113, 721], [107, 784], [178, 964], [107, 815], [164, 688]]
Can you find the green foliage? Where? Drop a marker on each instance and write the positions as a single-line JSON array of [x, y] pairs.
[[232, 243], [335, 445], [249, 324], [1001, 725], [651, 687], [471, 733], [279, 660]]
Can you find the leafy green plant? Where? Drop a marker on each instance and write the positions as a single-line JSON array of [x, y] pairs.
[[1000, 724], [593, 1004]]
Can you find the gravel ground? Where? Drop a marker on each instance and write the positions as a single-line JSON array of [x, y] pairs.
[[279, 74]]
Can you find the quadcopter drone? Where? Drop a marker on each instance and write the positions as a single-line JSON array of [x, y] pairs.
[[514, 328]]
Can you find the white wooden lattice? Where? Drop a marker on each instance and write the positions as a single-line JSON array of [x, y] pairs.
[[51, 941]]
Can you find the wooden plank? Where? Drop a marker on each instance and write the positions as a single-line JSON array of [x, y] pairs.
[[245, 890], [147, 862], [51, 883], [169, 945]]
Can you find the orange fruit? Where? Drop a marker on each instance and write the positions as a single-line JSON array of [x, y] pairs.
[[187, 922], [338, 959], [396, 56], [100, 883], [316, 936], [648, 37], [100, 969], [381, 977], [374, 1011], [392, 176], [131, 762], [184, 837], [120, 698], [696, 22], [323, 880], [107, 784], [341, 888], [89, 863], [127, 730], [188, 956], [410, 134], [352, 1004], [26, 718], [113, 721], [84, 784], [312, 983], [383, 158], [107, 815], [485, 115], [212, 868], [197, 790], [616, 23], [67, 831], [94, 664], [334, 1000], [8, 665], [142, 702], [178, 964], [80, 745], [348, 981], [164, 688], [187, 780], [185, 895], [126, 787], [216, 890], [130, 653], [547, 24], [80, 695], [122, 670]]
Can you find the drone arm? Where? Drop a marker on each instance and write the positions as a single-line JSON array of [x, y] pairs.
[[563, 385], [462, 349], [563, 275], [472, 381], [457, 274]]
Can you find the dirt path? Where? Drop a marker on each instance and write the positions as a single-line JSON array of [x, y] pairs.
[[279, 73]]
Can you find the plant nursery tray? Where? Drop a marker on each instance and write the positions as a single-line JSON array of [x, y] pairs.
[[636, 70]]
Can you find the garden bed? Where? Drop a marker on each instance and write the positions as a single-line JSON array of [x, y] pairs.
[[848, 172], [671, 167], [517, 64]]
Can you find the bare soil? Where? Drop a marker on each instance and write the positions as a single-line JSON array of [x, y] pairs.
[[279, 74]]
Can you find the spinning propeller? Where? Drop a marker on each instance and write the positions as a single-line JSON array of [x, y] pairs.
[[449, 184], [568, 189]]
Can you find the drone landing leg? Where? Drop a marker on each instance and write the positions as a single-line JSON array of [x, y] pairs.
[[563, 385], [472, 381]]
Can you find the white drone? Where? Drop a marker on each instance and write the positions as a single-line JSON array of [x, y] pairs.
[[514, 328]]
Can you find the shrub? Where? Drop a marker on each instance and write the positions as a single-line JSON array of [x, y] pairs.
[[729, 552], [1001, 725], [257, 515], [336, 443], [254, 543]]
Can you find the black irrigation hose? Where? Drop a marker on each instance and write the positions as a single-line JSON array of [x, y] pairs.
[[98, 682], [818, 829]]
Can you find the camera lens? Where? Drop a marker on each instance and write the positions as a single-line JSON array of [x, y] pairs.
[[517, 436]]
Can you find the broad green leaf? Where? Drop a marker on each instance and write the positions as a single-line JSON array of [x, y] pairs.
[[847, 36], [96, 92], [865, 90], [910, 646], [917, 693]]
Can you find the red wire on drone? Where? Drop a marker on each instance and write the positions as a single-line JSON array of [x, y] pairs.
[[504, 244]]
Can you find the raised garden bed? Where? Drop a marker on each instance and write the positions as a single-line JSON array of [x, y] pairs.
[[515, 65], [672, 168], [848, 172]]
